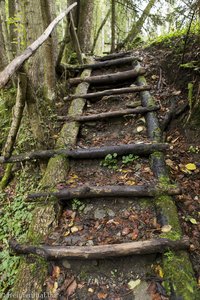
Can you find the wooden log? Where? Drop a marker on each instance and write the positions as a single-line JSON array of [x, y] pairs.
[[108, 115], [114, 55], [109, 78], [144, 149], [17, 115], [16, 63], [104, 64], [87, 192], [159, 245], [128, 90]]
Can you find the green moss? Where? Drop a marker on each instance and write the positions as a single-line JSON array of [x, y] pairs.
[[179, 274]]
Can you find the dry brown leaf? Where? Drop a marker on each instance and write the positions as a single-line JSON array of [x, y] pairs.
[[102, 295], [125, 231], [72, 288], [56, 272]]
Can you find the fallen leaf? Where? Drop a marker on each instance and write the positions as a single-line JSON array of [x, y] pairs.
[[130, 182], [140, 128], [135, 234], [72, 288], [193, 221], [55, 287], [133, 284], [125, 231], [191, 167], [154, 77], [166, 228], [67, 233], [159, 271], [56, 272], [90, 290], [102, 295], [74, 229]]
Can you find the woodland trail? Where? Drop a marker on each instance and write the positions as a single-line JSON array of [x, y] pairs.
[[118, 215]]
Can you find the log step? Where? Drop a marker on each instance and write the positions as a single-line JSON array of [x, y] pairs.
[[87, 192], [103, 64], [159, 245], [107, 115], [144, 149], [109, 78], [114, 55], [90, 96]]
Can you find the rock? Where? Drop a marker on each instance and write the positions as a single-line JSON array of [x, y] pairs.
[[90, 243], [99, 213], [110, 213], [66, 264]]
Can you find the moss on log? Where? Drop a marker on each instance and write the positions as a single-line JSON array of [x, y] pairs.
[[177, 266], [31, 276]]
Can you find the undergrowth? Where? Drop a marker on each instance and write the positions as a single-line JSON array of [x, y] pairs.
[[15, 218]]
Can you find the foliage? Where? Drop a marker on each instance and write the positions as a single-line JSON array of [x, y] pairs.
[[128, 159], [77, 205], [110, 161], [15, 219], [193, 149]]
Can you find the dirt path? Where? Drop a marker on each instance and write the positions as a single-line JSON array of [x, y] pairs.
[[114, 220]]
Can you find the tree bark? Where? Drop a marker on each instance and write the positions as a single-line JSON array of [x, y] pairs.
[[18, 61], [136, 28], [110, 78], [108, 115], [17, 115], [107, 191], [96, 152], [113, 24], [128, 90], [101, 251], [75, 39], [12, 31]]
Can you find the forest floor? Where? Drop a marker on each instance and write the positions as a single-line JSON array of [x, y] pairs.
[[108, 222]]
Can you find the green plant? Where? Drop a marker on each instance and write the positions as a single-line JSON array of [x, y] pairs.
[[110, 161], [193, 149], [128, 159], [77, 205], [15, 218]]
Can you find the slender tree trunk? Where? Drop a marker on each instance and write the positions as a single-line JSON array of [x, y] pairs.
[[85, 25], [6, 37], [136, 28], [100, 29], [3, 57], [113, 24], [48, 49], [12, 31]]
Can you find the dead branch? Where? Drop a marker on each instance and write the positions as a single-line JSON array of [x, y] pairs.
[[109, 78], [128, 90], [108, 115], [144, 149], [102, 251], [19, 60]]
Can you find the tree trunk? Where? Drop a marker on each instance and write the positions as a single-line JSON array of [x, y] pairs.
[[12, 27], [85, 25], [6, 37], [136, 28], [99, 30], [3, 57], [113, 21], [49, 58]]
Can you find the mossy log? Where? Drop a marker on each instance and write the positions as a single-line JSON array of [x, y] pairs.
[[109, 78], [32, 273], [177, 265], [102, 251], [104, 64], [128, 90], [93, 152], [107, 191], [109, 115]]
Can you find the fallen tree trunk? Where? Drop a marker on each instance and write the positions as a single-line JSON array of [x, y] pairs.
[[109, 78], [114, 55], [17, 115], [93, 152], [19, 60], [121, 91], [102, 251], [104, 64], [111, 114], [106, 191]]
